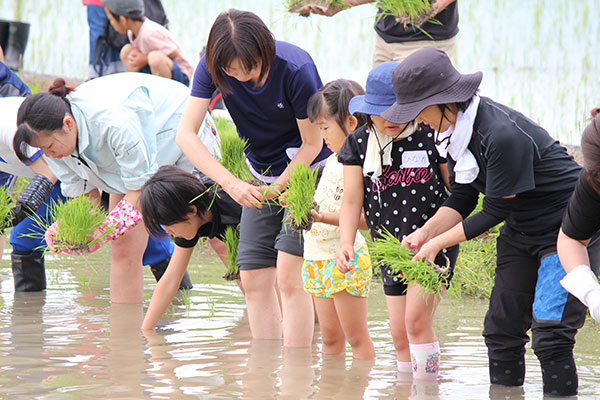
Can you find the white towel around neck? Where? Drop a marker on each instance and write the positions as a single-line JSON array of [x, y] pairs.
[[465, 168], [373, 161]]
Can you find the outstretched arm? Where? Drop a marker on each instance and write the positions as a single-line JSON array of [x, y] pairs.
[[167, 287]]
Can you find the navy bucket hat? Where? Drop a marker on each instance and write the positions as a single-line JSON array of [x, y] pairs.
[[379, 95], [425, 78]]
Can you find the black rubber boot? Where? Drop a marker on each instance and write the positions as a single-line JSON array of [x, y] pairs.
[[507, 373], [159, 269], [18, 34], [29, 273]]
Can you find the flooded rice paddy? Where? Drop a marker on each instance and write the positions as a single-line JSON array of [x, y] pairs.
[[537, 56], [71, 343]]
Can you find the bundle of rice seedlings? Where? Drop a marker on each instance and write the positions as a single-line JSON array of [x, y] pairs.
[[300, 196], [5, 208], [415, 12], [76, 221], [299, 6], [233, 149], [232, 239], [388, 250]]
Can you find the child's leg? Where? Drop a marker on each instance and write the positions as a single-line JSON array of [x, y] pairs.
[[126, 273], [332, 334], [264, 314], [296, 304], [424, 347], [396, 309], [352, 312], [160, 64], [128, 48]]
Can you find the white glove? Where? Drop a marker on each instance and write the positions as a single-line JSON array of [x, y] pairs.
[[583, 284]]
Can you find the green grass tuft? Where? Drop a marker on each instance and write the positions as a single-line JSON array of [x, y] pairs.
[[232, 239], [233, 149], [297, 6], [300, 195], [76, 222], [5, 207], [415, 12], [388, 250]]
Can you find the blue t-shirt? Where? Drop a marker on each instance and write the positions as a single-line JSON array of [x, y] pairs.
[[266, 116]]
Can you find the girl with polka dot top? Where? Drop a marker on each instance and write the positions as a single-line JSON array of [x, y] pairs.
[[394, 172]]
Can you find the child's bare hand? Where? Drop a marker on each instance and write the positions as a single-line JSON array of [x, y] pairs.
[[344, 260], [317, 216], [137, 59]]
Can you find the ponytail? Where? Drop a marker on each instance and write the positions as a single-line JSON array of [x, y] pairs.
[[41, 112], [332, 100]]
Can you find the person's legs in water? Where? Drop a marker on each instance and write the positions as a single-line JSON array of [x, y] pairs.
[[509, 315], [256, 259]]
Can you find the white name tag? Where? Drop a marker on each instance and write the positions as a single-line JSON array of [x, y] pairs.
[[415, 159]]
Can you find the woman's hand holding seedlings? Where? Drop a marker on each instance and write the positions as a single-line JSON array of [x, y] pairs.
[[428, 250], [244, 193], [416, 239], [344, 260]]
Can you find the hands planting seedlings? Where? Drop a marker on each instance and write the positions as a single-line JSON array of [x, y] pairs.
[[388, 250], [78, 227]]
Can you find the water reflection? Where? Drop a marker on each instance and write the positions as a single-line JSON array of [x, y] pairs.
[[71, 343]]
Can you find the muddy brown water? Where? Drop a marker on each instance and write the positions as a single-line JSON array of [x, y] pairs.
[[71, 343]]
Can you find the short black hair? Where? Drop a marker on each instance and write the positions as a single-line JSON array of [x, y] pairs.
[[134, 17], [239, 35], [168, 196]]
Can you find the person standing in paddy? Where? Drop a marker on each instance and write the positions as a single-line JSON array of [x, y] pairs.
[[394, 173], [527, 179], [266, 85]]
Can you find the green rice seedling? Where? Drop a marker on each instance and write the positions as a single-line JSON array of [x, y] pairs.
[[5, 208], [232, 239], [299, 6], [300, 196], [76, 221], [233, 147], [388, 250], [413, 12]]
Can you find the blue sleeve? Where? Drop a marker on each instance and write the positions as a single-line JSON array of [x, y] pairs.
[[303, 84], [202, 86], [10, 83]]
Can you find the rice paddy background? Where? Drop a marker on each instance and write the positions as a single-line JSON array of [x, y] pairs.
[[537, 56]]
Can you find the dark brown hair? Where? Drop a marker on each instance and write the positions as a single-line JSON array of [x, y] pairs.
[[41, 112], [332, 100], [590, 147], [239, 35], [139, 18], [167, 196]]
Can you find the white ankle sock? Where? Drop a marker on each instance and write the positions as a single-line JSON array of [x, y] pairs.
[[425, 360]]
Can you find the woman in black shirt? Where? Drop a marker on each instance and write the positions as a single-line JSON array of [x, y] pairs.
[[527, 179], [581, 224]]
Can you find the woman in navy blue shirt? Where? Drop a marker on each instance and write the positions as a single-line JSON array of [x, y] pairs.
[[266, 85]]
